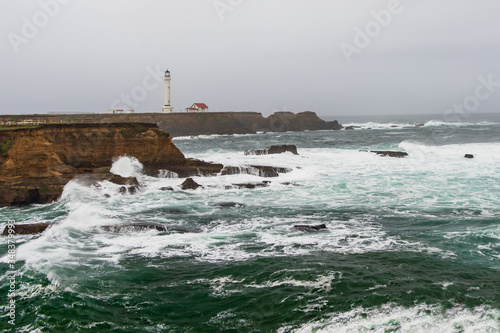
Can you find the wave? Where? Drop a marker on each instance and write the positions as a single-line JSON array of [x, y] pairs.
[[393, 318], [126, 166], [211, 136], [479, 150], [430, 123], [375, 125]]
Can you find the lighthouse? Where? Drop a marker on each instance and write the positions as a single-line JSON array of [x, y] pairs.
[[167, 108]]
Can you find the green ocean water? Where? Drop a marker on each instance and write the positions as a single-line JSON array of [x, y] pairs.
[[411, 245]]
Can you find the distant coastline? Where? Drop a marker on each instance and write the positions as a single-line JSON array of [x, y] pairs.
[[192, 124]]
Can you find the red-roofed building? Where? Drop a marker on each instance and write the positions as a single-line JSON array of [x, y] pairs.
[[197, 107]]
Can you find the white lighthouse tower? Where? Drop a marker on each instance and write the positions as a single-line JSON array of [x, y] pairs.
[[167, 108]]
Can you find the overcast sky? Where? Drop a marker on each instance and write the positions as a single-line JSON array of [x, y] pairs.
[[420, 56]]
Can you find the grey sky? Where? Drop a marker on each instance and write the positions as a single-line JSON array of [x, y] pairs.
[[248, 55]]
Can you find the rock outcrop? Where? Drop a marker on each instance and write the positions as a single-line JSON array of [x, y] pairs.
[[256, 170], [399, 154], [310, 228], [26, 229], [190, 184], [133, 227], [36, 163], [273, 150], [469, 156], [227, 205]]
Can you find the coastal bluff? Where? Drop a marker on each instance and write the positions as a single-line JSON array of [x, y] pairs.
[[192, 124], [36, 162]]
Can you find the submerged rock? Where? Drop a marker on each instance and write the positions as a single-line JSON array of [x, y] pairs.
[[26, 229], [138, 227], [349, 128], [290, 184], [250, 185], [132, 227], [168, 188], [190, 184], [398, 154], [175, 211], [227, 205], [469, 156], [256, 170], [310, 228], [129, 189], [273, 150]]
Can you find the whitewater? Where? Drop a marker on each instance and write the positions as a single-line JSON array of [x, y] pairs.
[[412, 244]]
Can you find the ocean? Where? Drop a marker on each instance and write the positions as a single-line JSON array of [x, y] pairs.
[[411, 245]]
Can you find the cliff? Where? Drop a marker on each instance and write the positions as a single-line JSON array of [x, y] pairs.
[[36, 163], [184, 124]]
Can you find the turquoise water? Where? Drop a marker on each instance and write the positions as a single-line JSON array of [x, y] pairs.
[[412, 245]]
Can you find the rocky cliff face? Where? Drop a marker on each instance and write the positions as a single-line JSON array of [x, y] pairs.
[[54, 150], [36, 163]]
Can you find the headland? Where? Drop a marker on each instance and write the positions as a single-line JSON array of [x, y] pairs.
[[192, 124]]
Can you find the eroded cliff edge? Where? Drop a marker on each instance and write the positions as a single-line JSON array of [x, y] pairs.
[[36, 163]]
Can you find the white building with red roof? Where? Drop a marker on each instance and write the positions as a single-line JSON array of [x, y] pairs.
[[197, 107]]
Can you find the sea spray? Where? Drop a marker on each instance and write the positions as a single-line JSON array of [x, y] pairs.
[[126, 166]]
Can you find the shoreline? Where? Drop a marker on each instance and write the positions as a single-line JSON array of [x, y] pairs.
[[192, 124]]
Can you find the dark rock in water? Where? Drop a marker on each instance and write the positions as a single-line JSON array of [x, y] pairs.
[[227, 205], [268, 172], [129, 189], [26, 229], [190, 184], [273, 150], [334, 125], [107, 196], [349, 128], [420, 125], [233, 170], [256, 152], [132, 227], [398, 154], [290, 184], [469, 156], [119, 180], [168, 188], [282, 149], [182, 230], [133, 189], [310, 228], [257, 170], [138, 227], [250, 185], [175, 211]]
